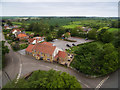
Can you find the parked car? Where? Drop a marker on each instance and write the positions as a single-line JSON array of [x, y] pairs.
[[86, 39], [73, 44], [68, 45], [68, 60]]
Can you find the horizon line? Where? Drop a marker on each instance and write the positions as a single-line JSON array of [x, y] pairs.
[[51, 16]]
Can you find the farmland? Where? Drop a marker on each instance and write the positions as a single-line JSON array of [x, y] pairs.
[[113, 30]]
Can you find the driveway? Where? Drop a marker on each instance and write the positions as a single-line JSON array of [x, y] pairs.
[[62, 44]]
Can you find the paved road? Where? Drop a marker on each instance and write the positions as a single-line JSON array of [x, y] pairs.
[[113, 80], [12, 65]]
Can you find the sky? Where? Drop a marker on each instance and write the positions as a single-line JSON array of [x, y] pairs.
[[99, 8]]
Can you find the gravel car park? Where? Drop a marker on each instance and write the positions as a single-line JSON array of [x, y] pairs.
[[63, 44]]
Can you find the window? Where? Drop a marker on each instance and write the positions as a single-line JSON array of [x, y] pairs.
[[68, 60], [48, 59], [48, 55]]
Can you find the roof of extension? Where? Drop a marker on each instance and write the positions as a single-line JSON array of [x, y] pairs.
[[61, 54], [21, 35]]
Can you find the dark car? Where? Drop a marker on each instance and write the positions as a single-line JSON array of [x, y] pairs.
[[73, 44], [86, 39], [68, 45]]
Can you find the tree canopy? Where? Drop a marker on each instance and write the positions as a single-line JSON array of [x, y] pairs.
[[46, 79], [96, 59], [4, 50]]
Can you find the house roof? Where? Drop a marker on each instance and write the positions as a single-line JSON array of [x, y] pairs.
[[21, 35], [61, 54], [47, 43], [16, 29], [44, 48], [35, 38], [29, 48], [30, 40], [38, 38]]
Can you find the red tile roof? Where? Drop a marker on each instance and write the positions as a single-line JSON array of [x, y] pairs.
[[21, 35], [16, 29], [44, 48], [47, 43], [29, 48], [61, 54], [30, 40], [38, 38]]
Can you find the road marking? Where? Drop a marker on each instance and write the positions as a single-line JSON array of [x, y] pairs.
[[83, 84], [19, 73], [101, 83], [12, 59], [56, 69], [48, 67], [6, 75]]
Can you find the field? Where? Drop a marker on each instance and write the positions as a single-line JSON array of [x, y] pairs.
[[19, 23], [113, 29], [28, 32], [71, 26]]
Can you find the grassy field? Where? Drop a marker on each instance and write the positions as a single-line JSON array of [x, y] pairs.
[[71, 26], [19, 23], [28, 32], [113, 29]]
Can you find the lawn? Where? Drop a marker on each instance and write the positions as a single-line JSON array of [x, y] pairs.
[[28, 32], [113, 29], [71, 26], [76, 22], [19, 23]]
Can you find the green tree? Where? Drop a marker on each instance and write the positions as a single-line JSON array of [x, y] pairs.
[[74, 32], [107, 37], [9, 23], [49, 38], [110, 58], [51, 28], [92, 34], [23, 25], [60, 32], [47, 79], [101, 32], [4, 50], [67, 35], [96, 59]]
